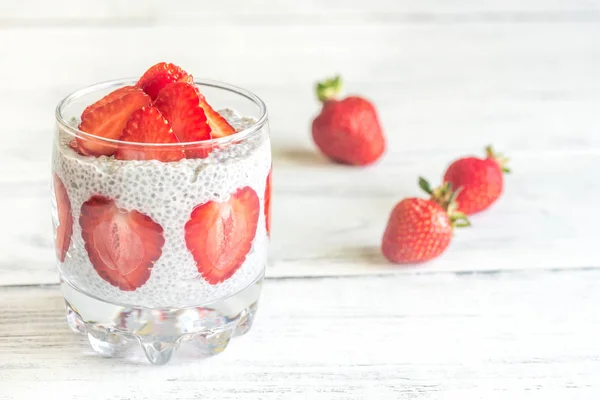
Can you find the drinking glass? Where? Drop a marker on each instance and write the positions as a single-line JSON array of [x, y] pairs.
[[167, 254]]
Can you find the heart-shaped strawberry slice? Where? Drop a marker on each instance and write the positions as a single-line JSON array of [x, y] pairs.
[[219, 127], [179, 103], [122, 245], [220, 235], [159, 76], [268, 201], [64, 230], [107, 117], [147, 125]]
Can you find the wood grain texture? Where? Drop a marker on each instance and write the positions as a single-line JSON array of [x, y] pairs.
[[527, 335], [328, 220], [448, 78], [442, 90], [260, 12], [510, 311]]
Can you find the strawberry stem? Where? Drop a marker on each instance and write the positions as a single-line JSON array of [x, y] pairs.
[[329, 88], [446, 198], [459, 220], [423, 184], [499, 158]]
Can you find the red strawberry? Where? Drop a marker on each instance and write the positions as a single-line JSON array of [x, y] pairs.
[[179, 103], [348, 130], [107, 118], [160, 75], [122, 245], [218, 125], [147, 125], [420, 230], [268, 201], [75, 147], [480, 181], [112, 96], [65, 219], [220, 235]]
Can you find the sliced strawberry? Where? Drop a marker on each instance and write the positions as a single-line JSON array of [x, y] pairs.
[[147, 125], [122, 245], [112, 96], [107, 118], [268, 201], [218, 125], [220, 235], [179, 104], [160, 75], [64, 230], [75, 147]]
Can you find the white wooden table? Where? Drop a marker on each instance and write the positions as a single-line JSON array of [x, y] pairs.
[[511, 309]]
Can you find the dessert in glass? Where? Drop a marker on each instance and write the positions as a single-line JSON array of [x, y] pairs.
[[161, 212]]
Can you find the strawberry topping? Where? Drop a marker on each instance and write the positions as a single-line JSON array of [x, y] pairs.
[[218, 125], [122, 245], [268, 201], [112, 96], [65, 219], [147, 125], [179, 104], [174, 112], [220, 235], [75, 147], [107, 118], [159, 76]]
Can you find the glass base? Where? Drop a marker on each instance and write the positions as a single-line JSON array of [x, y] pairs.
[[113, 329]]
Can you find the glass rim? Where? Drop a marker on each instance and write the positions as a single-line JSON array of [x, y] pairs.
[[236, 137]]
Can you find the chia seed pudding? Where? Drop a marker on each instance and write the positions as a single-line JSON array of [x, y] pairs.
[[167, 192]]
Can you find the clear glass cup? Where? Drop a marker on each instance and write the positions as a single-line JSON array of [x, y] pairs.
[[165, 254]]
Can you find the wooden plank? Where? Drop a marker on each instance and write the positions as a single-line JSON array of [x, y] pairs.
[[155, 12], [523, 88], [442, 91], [328, 219], [513, 335], [525, 82], [466, 60]]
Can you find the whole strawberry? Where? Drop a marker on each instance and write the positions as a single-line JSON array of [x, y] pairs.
[[347, 131], [479, 181], [421, 229]]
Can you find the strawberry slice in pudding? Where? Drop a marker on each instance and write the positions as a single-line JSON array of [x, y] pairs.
[[65, 219], [168, 97], [147, 125], [165, 215], [220, 235], [107, 118], [159, 76], [268, 201], [122, 245], [179, 103], [219, 126], [162, 212]]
